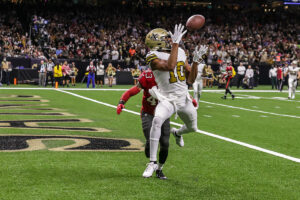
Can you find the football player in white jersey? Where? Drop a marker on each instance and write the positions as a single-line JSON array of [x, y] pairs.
[[170, 69], [294, 74], [198, 84]]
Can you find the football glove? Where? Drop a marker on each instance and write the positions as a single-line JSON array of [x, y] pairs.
[[178, 33], [195, 103], [199, 53], [120, 107]]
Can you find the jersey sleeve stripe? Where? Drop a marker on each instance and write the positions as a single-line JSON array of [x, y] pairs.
[[150, 58]]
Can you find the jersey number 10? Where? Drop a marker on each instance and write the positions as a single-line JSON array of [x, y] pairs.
[[180, 73]]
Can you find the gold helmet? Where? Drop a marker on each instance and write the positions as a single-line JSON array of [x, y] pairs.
[[157, 39]]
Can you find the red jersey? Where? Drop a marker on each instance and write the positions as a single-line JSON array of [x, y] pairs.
[[229, 71], [147, 81], [279, 73]]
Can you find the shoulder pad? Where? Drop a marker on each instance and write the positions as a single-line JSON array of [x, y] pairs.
[[150, 56]]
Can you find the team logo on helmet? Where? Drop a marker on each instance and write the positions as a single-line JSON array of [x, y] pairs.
[[157, 39]]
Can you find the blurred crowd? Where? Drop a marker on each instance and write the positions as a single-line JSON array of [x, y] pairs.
[[117, 33]]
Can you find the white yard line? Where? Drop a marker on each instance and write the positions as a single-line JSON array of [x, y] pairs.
[[95, 89], [246, 109], [199, 131], [115, 89], [269, 98]]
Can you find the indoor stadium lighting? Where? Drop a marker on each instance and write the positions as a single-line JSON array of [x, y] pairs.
[[291, 3]]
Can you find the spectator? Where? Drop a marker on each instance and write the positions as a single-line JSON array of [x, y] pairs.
[[42, 70], [279, 77], [115, 54], [273, 77], [58, 74], [132, 51], [100, 73], [210, 76], [111, 72], [66, 70], [50, 66], [6, 69], [74, 72], [91, 69], [240, 74], [136, 74], [249, 76], [256, 76]]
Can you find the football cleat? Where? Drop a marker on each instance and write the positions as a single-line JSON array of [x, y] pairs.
[[178, 138], [233, 97], [160, 175], [151, 167], [224, 97]]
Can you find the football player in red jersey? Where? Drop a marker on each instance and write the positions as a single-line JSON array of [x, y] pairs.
[[146, 81], [230, 73]]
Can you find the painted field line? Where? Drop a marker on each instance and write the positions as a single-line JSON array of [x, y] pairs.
[[199, 131], [112, 89], [269, 98], [246, 109]]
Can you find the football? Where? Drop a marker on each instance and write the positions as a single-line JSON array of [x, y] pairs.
[[195, 22]]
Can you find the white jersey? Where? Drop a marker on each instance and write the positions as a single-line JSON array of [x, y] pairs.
[[241, 70], [170, 83], [200, 72], [293, 72]]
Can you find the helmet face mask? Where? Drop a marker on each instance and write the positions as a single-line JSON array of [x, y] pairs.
[[158, 39]]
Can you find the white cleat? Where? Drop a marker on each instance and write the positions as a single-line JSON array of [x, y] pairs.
[[179, 138], [151, 167]]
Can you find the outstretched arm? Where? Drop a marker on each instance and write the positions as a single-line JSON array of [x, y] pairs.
[[199, 55], [193, 73], [126, 96], [170, 64]]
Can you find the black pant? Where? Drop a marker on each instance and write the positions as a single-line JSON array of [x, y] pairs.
[[251, 83], [7, 75], [59, 80], [274, 82], [239, 80], [50, 77], [279, 84], [256, 80], [164, 138]]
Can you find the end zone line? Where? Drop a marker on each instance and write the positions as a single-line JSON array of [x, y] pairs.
[[198, 131], [247, 109]]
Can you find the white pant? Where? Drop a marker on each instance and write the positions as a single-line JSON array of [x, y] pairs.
[[292, 87], [198, 86], [164, 110]]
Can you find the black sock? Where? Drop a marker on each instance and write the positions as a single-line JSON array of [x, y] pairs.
[[147, 149], [163, 154]]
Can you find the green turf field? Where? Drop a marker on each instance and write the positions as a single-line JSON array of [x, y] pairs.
[[205, 168]]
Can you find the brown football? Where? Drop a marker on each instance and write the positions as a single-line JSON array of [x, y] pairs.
[[195, 22]]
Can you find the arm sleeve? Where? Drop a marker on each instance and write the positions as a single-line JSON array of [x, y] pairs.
[[129, 93]]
